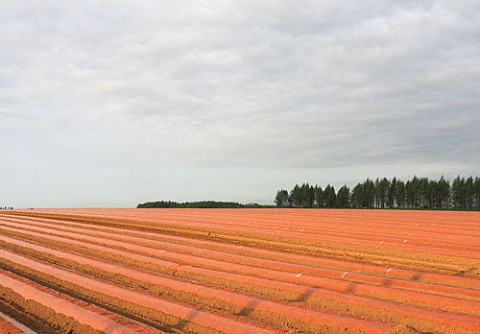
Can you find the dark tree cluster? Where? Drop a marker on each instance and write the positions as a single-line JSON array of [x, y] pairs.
[[418, 193], [200, 204], [6, 208]]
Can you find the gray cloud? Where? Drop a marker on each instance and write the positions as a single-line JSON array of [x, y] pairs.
[[101, 92]]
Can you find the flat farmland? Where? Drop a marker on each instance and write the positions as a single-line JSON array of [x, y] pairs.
[[239, 271]]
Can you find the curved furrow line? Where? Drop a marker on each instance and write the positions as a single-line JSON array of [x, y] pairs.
[[167, 249], [205, 319], [403, 260], [339, 283], [251, 252], [346, 225], [376, 220], [244, 302], [435, 317], [400, 242], [416, 269], [61, 306]]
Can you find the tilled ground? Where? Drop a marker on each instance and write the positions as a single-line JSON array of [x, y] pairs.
[[240, 271]]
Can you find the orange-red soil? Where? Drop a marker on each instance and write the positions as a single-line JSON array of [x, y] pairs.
[[249, 270]]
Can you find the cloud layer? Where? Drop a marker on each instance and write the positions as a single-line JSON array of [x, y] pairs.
[[105, 92]]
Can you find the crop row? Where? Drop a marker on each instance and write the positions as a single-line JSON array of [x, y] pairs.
[[319, 222], [204, 248], [310, 276], [249, 278], [409, 259], [269, 311]]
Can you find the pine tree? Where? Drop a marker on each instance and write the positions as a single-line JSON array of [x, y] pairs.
[[392, 190], [343, 197], [368, 194], [476, 186], [444, 191], [319, 198], [458, 197], [400, 194], [357, 196], [330, 197], [469, 194]]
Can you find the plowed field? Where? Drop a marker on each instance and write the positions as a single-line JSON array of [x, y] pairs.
[[257, 271]]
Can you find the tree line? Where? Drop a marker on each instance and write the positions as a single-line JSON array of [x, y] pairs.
[[418, 193], [199, 204]]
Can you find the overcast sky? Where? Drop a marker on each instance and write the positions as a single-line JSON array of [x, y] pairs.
[[112, 103]]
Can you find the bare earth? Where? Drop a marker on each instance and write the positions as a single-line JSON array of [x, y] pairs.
[[239, 271]]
